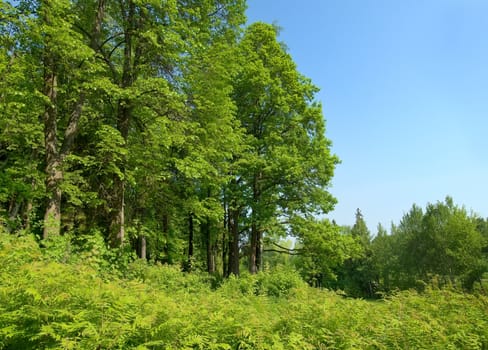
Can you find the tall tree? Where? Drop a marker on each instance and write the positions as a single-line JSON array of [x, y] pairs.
[[288, 165], [146, 47], [62, 65], [358, 276], [21, 177]]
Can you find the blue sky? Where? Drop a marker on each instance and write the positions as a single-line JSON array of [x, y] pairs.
[[404, 88]]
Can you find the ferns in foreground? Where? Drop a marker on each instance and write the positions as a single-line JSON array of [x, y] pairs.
[[47, 304]]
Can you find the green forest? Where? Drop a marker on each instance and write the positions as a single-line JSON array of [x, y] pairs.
[[165, 183]]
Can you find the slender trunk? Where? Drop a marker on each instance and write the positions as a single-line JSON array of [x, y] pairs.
[[255, 254], [166, 234], [234, 242], [117, 224], [212, 264], [13, 209], [259, 251], [141, 237], [209, 245], [255, 239], [27, 214], [13, 212], [190, 242], [225, 255], [143, 247], [209, 241]]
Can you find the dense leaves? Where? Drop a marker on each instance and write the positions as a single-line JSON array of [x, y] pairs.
[[441, 245], [167, 127], [140, 139]]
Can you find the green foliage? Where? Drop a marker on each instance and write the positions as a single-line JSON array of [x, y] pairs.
[[45, 304], [129, 118], [443, 244], [168, 129], [280, 281], [322, 250]]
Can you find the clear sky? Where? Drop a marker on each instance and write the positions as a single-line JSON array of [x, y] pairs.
[[404, 88]]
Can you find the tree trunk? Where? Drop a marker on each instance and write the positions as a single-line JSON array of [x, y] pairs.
[[255, 239], [54, 157], [234, 242], [13, 209], [54, 175], [225, 253], [143, 247], [190, 243], [117, 226], [225, 234], [209, 245], [259, 251], [166, 234], [209, 241], [27, 214], [253, 248]]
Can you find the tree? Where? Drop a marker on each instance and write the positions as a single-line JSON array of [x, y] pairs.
[[287, 167], [442, 243], [323, 249], [21, 177], [384, 259], [360, 230], [451, 244], [358, 276], [62, 65]]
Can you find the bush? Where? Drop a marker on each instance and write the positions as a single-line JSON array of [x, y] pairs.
[[277, 282]]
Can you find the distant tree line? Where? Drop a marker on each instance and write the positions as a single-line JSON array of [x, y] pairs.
[[441, 245]]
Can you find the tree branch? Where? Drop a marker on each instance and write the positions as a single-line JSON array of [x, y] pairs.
[[287, 249], [283, 252]]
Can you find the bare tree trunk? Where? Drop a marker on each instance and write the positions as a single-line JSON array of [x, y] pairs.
[[259, 251], [225, 254], [13, 209], [189, 263], [143, 248], [27, 214], [225, 234], [234, 242], [255, 239], [117, 224], [209, 241], [166, 234], [209, 245], [253, 259]]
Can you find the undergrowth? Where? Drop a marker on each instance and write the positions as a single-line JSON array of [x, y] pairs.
[[60, 298]]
